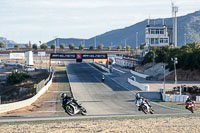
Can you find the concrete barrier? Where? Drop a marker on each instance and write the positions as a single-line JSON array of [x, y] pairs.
[[17, 105], [138, 85], [139, 74], [174, 98], [197, 98], [102, 67]]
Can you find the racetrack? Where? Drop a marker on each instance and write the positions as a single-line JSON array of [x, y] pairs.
[[105, 98], [113, 97]]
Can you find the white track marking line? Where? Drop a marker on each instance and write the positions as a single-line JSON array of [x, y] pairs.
[[57, 91], [118, 70], [51, 101], [50, 111]]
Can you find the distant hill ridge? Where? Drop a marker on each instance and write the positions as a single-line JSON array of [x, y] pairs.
[[188, 25]]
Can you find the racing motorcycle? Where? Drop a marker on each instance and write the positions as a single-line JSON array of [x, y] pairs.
[[142, 105], [190, 106], [73, 108]]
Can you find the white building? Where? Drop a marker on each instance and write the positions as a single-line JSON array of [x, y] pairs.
[[156, 36]]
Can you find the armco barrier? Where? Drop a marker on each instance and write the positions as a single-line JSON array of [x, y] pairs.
[[17, 105], [102, 67], [138, 85], [139, 74], [174, 98]]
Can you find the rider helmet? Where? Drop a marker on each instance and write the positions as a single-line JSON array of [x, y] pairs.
[[62, 95], [137, 96]]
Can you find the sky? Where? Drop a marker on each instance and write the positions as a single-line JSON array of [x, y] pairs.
[[44, 20]]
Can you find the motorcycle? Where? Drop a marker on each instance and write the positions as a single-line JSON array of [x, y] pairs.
[[142, 105], [73, 108], [190, 106], [102, 79]]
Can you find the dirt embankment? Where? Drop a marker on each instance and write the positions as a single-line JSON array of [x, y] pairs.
[[23, 90], [185, 75], [151, 125]]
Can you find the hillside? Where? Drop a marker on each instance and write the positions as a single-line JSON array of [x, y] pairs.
[[188, 25]]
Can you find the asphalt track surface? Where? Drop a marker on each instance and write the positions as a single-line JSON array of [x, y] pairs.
[[105, 98]]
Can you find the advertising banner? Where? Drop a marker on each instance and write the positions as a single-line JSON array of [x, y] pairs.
[[17, 56]]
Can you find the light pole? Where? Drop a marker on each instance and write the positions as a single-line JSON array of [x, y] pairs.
[[185, 39], [175, 61], [136, 42], [125, 44], [163, 66], [95, 42]]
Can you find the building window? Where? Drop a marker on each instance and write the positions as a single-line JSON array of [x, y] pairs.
[[154, 41], [157, 31], [161, 31], [153, 31], [163, 40]]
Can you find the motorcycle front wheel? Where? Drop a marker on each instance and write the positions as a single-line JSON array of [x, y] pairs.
[[191, 109], [70, 110], [83, 111], [144, 109]]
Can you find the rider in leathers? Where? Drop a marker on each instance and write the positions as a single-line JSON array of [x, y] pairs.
[[64, 99], [138, 97]]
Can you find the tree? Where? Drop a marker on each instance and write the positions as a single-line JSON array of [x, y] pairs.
[[128, 47], [34, 46], [82, 46], [17, 46], [109, 48], [44, 46], [2, 45], [53, 46], [100, 47], [91, 47], [62, 45], [27, 45], [119, 47], [71, 46], [142, 46]]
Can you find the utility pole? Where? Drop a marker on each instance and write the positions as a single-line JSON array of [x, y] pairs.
[[174, 19], [95, 41], [125, 44], [55, 44], [136, 42], [175, 61], [185, 42], [164, 79]]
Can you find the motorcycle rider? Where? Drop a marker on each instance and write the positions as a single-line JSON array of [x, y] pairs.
[[138, 98], [64, 99], [187, 102], [103, 78]]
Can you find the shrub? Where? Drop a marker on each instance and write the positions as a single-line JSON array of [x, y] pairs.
[[16, 77]]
